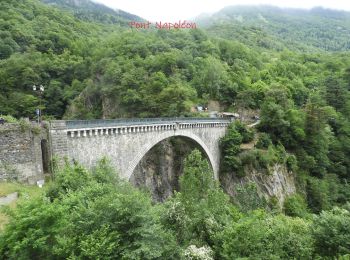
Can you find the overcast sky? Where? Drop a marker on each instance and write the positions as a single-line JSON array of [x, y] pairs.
[[172, 10]]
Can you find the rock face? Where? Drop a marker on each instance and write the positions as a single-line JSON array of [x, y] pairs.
[[159, 172], [278, 183], [8, 199], [160, 169]]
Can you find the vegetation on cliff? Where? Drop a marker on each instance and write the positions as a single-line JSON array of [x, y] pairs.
[[95, 215]]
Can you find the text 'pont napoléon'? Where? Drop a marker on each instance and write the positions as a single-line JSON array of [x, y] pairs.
[[163, 25]]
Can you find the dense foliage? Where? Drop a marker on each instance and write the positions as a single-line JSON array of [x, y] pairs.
[[93, 11], [95, 215], [278, 28], [88, 215], [92, 69], [274, 63]]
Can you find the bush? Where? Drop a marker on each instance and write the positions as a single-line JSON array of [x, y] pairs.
[[260, 160], [88, 218], [202, 253], [264, 160], [24, 125], [69, 179], [247, 134], [292, 163], [295, 206], [331, 231], [9, 119], [262, 236], [33, 229], [264, 141]]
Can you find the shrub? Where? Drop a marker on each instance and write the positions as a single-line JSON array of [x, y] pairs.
[[202, 253], [331, 231], [247, 134], [295, 206], [262, 236], [278, 152], [264, 141], [264, 159], [10, 119], [68, 179], [292, 163], [91, 219], [24, 125]]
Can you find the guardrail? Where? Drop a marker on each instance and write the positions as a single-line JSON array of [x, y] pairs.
[[137, 121]]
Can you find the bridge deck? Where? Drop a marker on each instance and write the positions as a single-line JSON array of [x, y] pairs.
[[73, 124]]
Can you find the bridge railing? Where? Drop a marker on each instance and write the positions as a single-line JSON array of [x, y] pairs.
[[137, 121]]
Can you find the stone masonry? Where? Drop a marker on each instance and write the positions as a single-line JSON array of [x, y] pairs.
[[20, 154], [125, 144]]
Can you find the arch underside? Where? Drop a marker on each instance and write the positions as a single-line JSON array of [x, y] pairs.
[[148, 146]]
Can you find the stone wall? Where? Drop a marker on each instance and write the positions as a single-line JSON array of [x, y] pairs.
[[20, 154], [58, 139]]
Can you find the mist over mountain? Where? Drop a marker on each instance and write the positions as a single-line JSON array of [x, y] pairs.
[[277, 28], [92, 11]]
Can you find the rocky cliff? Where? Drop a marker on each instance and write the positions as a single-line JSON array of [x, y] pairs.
[[277, 184], [160, 169]]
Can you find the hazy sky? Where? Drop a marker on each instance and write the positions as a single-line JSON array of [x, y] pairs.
[[171, 10]]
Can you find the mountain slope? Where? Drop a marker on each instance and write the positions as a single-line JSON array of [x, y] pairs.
[[91, 11], [275, 28]]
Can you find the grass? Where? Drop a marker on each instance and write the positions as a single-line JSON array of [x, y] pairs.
[[22, 189], [4, 219], [24, 192]]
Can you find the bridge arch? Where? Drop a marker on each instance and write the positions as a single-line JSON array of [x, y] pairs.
[[127, 142], [149, 145]]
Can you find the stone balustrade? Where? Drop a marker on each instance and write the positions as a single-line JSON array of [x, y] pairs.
[[119, 130]]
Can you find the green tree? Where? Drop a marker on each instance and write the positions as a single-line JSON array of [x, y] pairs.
[[317, 136], [230, 147], [88, 215], [201, 209], [262, 236], [331, 231]]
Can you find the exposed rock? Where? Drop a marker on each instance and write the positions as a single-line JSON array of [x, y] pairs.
[[8, 199], [160, 169], [278, 183]]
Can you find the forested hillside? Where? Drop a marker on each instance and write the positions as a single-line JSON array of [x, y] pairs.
[[95, 12], [91, 70], [277, 28], [290, 67]]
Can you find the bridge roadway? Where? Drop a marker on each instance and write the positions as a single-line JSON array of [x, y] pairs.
[[126, 141]]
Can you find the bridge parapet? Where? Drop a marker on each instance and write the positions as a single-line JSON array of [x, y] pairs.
[[127, 129], [76, 124]]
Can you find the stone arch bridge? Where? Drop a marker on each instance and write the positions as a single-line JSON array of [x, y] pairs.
[[126, 141]]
